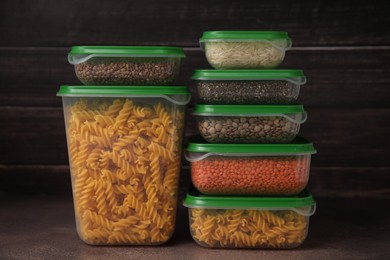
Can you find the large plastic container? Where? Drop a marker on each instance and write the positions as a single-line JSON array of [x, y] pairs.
[[249, 123], [126, 65], [245, 49], [250, 169], [124, 149], [249, 222], [248, 87]]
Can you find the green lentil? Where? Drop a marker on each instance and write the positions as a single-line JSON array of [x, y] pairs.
[[262, 129]]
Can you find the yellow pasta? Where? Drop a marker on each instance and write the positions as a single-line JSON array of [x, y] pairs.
[[248, 228], [125, 164]]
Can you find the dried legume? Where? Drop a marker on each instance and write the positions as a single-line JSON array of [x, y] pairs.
[[128, 71], [262, 129], [274, 175], [247, 92]]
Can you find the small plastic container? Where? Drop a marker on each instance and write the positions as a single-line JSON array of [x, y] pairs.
[[248, 87], [126, 65], [249, 222], [124, 149], [250, 169], [245, 49], [249, 123]]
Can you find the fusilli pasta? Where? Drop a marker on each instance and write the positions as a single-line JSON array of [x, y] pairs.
[[248, 228], [125, 164]]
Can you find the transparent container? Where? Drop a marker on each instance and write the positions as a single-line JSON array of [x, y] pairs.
[[249, 222], [249, 123], [124, 149], [248, 87], [245, 49], [250, 169], [126, 65]]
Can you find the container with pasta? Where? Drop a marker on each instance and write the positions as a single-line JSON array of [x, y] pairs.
[[249, 222], [124, 149], [248, 87], [245, 49], [250, 169], [126, 65], [249, 123]]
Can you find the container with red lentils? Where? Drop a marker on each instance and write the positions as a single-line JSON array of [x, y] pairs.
[[250, 169]]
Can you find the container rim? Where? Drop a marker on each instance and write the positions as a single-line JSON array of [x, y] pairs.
[[294, 113], [255, 35], [295, 76], [198, 149], [140, 50], [302, 203], [79, 54], [169, 93]]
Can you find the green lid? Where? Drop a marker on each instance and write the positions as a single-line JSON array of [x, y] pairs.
[[154, 51], [243, 35], [175, 94], [298, 146], [243, 110], [295, 76], [195, 199]]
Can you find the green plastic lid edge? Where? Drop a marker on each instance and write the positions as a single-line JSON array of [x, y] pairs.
[[170, 93], [292, 75], [240, 110], [195, 199], [299, 145], [244, 35], [129, 50]]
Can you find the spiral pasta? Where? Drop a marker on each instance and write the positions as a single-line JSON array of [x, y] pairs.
[[125, 163], [248, 228]]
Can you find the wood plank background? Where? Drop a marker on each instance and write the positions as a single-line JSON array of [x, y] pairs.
[[343, 48]]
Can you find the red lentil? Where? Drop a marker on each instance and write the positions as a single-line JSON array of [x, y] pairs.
[[274, 175]]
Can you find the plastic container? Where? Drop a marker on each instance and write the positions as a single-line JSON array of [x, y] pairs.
[[249, 222], [245, 49], [250, 169], [126, 65], [249, 87], [249, 123], [124, 149]]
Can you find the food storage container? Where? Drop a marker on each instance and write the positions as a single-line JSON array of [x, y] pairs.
[[124, 149], [250, 87], [126, 65], [245, 49], [249, 222], [249, 123], [250, 169]]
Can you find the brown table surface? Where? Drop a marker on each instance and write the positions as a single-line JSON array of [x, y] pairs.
[[43, 227]]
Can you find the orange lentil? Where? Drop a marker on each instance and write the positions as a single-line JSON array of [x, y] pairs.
[[274, 175]]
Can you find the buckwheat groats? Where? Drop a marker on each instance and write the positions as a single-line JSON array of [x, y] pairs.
[[126, 65], [250, 87], [249, 123]]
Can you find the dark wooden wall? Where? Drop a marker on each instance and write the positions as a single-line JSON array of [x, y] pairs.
[[342, 46]]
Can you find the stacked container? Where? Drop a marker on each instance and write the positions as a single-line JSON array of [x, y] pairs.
[[249, 168], [124, 131]]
